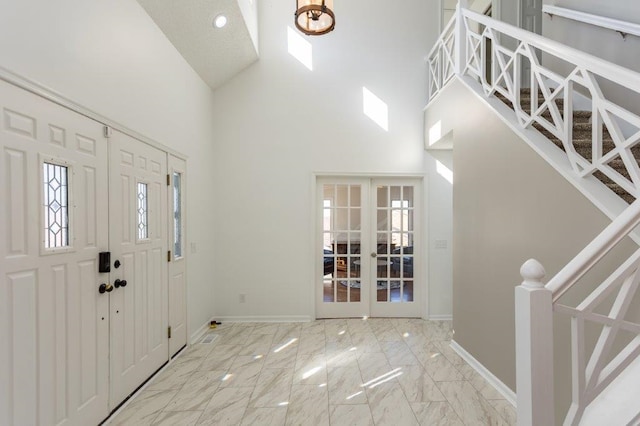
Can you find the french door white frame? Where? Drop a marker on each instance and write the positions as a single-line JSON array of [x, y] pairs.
[[420, 259]]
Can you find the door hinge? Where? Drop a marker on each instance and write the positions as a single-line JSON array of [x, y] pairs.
[[169, 256], [169, 332], [107, 132], [168, 180]]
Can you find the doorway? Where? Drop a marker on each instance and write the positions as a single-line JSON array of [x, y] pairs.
[[530, 19], [369, 233], [81, 330]]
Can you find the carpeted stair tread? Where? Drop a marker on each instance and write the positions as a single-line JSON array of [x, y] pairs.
[[582, 133], [614, 187], [582, 138]]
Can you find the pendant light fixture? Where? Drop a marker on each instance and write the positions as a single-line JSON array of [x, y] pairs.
[[315, 17]]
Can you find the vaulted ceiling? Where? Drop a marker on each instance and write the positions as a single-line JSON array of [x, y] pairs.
[[216, 54]]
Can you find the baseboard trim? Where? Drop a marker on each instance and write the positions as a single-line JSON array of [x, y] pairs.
[[504, 390], [441, 317], [266, 318], [197, 335]]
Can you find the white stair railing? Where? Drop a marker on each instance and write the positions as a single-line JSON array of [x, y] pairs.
[[591, 373], [441, 60], [471, 41]]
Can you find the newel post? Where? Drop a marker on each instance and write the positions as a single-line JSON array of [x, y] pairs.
[[534, 348], [461, 38]]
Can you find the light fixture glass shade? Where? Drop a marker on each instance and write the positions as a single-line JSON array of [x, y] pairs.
[[315, 17]]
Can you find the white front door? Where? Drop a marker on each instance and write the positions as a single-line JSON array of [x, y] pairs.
[[369, 235], [74, 341], [54, 322], [138, 240]]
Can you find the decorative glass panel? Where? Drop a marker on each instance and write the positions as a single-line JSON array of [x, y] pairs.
[[177, 215], [56, 205], [143, 218]]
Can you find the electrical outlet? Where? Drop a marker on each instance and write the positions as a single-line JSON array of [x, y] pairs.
[[441, 244], [243, 298]]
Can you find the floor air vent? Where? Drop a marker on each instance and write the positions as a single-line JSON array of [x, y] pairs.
[[209, 338]]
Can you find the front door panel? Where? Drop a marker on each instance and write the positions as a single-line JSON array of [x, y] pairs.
[[138, 239], [54, 324]]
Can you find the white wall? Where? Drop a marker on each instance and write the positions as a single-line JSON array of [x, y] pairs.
[[111, 58], [249, 10], [601, 42], [278, 122], [440, 227]]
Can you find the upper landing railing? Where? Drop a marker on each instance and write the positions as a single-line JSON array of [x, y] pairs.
[[505, 59]]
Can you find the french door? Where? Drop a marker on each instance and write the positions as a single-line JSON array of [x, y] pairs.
[[79, 331], [369, 237]]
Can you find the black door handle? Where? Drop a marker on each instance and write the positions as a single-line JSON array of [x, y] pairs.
[[105, 287], [120, 283]]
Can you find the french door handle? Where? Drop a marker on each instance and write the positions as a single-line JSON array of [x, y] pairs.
[[374, 254], [105, 287]]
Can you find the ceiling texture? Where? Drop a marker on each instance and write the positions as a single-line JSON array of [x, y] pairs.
[[216, 54]]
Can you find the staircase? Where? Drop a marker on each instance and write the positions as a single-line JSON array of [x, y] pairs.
[[582, 139], [599, 144]]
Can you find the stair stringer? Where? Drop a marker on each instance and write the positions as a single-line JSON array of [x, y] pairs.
[[618, 403]]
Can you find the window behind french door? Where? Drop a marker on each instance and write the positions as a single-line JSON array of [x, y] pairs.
[[368, 233]]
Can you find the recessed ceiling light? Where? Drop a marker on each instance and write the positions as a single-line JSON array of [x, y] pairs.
[[220, 21]]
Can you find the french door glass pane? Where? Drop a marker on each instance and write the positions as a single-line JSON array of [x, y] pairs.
[[382, 223], [342, 195], [383, 196], [407, 194]]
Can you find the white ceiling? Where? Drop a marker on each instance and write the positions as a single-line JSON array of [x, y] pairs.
[[216, 54]]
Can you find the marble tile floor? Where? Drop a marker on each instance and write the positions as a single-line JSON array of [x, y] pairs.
[[328, 372]]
